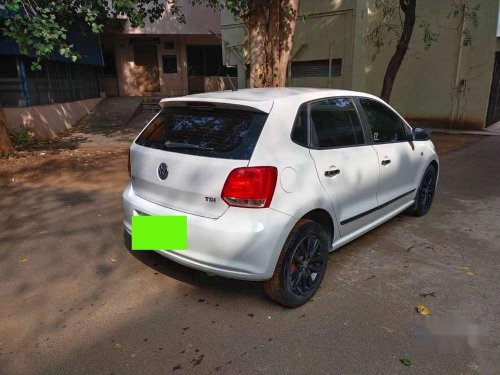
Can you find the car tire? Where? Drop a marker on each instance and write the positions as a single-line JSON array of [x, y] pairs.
[[425, 193], [301, 266]]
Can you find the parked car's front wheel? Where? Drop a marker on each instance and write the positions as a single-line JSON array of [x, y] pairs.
[[301, 265], [425, 193]]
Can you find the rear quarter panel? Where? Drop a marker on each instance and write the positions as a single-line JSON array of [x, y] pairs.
[[298, 189]]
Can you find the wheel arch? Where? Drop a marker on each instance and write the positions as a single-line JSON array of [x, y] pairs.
[[435, 164], [322, 217]]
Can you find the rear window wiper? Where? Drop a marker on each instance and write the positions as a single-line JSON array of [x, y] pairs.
[[169, 144]]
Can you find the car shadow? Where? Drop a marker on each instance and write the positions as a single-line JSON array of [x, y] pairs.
[[192, 276]]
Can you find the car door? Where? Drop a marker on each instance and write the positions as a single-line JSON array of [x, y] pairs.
[[346, 164], [399, 159]]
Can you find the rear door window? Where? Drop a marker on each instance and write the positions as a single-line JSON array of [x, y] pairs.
[[299, 130], [335, 123], [205, 131]]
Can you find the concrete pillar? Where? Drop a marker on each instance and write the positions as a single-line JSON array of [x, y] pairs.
[[242, 80]]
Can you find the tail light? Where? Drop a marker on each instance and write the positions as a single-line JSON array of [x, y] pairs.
[[251, 187], [129, 171]]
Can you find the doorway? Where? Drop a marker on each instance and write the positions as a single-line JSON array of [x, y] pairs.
[[147, 77], [493, 115]]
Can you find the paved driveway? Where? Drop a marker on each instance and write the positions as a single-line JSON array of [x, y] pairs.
[[74, 300]]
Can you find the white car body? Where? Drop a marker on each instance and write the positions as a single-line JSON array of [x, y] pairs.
[[245, 243]]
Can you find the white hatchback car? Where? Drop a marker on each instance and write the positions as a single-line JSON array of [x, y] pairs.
[[271, 180]]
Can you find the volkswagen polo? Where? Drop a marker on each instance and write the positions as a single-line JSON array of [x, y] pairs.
[[272, 180]]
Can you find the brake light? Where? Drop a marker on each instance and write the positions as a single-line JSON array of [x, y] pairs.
[[129, 171], [251, 187]]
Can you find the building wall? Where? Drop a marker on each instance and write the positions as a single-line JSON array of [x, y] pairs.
[[328, 33], [46, 121], [447, 85], [199, 20], [131, 80], [130, 76]]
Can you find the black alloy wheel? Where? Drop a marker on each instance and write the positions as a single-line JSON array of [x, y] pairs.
[[301, 266], [425, 193]]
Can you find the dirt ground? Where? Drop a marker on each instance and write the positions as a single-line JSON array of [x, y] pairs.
[[74, 300]]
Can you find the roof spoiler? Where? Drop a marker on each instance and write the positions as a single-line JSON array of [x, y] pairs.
[[264, 106]]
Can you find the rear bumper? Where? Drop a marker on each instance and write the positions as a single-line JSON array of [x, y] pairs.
[[242, 243]]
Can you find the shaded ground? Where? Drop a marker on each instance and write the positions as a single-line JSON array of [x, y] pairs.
[[85, 162], [446, 143], [74, 300]]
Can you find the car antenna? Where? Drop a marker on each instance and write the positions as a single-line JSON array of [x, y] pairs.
[[231, 83]]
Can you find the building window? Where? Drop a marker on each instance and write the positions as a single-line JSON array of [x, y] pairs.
[[60, 82], [207, 61], [316, 68], [169, 64], [169, 44], [11, 89], [9, 67], [145, 55]]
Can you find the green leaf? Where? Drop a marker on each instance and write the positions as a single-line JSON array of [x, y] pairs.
[[406, 362]]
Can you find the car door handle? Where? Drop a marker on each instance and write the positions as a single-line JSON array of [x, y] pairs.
[[332, 172], [386, 161]]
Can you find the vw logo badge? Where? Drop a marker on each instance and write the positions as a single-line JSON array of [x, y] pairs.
[[163, 171]]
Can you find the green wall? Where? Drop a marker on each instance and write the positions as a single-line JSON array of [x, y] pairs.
[[445, 86]]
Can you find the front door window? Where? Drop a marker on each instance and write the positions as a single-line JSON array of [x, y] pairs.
[[386, 126]]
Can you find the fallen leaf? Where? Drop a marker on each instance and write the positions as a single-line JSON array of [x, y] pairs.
[[466, 270], [423, 310], [23, 260], [405, 361], [118, 346]]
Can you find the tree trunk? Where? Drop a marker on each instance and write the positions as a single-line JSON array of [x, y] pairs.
[[288, 23], [270, 33], [408, 8], [273, 42], [256, 24], [5, 144]]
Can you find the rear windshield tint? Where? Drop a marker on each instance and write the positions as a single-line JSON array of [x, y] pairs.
[[213, 132]]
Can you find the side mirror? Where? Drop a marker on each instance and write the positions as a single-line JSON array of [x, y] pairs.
[[421, 134]]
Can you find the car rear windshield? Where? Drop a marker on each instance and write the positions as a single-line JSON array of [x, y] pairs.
[[213, 132]]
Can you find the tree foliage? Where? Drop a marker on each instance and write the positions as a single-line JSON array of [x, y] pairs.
[[40, 27], [395, 21], [389, 21]]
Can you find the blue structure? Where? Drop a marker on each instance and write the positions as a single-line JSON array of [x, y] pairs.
[[59, 80]]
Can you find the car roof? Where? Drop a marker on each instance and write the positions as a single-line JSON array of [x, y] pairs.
[[261, 99]]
